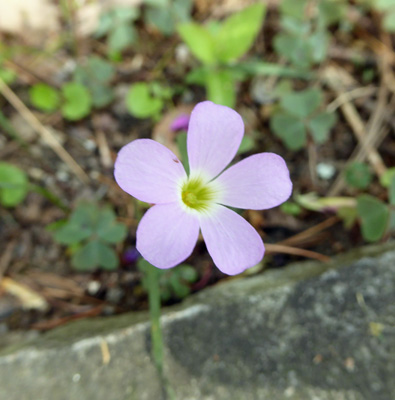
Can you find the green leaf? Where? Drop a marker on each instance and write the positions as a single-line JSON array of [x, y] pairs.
[[320, 126], [108, 229], [13, 185], [125, 14], [302, 104], [93, 255], [101, 95], [389, 21], [246, 145], [374, 217], [200, 42], [197, 76], [289, 129], [99, 70], [44, 97], [256, 67], [295, 26], [238, 33], [157, 3], [181, 140], [8, 76], [188, 273], [70, 234], [140, 103], [161, 19], [85, 215], [291, 208], [122, 36], [358, 175], [318, 43], [77, 103], [293, 8], [114, 233], [106, 21], [391, 192], [386, 178], [383, 5], [293, 48], [348, 216], [220, 87], [331, 12], [95, 75]]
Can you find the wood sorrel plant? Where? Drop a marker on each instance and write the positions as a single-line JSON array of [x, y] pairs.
[[185, 204]]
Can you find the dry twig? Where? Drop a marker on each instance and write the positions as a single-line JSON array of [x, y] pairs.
[[337, 79], [279, 248], [45, 133]]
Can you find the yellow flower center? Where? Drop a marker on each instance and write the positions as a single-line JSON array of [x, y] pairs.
[[197, 195]]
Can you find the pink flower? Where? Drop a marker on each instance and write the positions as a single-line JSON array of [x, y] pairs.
[[169, 230]]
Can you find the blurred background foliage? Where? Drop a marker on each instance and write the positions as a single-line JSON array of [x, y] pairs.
[[313, 80]]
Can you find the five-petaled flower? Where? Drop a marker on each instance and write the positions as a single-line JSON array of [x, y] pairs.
[[169, 230]]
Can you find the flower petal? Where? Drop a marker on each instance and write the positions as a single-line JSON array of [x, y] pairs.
[[258, 182], [149, 171], [232, 242], [167, 235], [214, 135]]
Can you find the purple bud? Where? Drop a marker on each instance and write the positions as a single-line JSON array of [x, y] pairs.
[[180, 123], [130, 255]]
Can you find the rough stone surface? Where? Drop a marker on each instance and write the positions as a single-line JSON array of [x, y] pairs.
[[309, 331]]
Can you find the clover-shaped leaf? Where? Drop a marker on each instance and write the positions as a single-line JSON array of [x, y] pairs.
[[298, 115], [77, 101], [70, 234], [94, 254], [374, 217], [320, 126], [302, 104], [121, 37], [174, 282], [140, 102], [44, 97], [290, 129], [88, 232], [13, 185], [358, 175], [108, 229]]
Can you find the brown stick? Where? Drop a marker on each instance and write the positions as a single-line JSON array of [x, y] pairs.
[[45, 133], [279, 248]]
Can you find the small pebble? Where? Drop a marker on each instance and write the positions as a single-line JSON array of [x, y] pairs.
[[325, 171]]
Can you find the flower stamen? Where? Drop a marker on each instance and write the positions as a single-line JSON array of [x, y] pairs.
[[197, 195]]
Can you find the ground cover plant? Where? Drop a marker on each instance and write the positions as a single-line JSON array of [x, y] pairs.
[[312, 82]]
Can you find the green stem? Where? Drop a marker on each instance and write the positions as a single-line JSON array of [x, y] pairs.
[[154, 309], [152, 275]]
